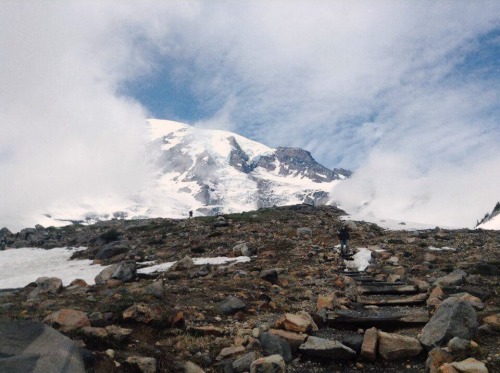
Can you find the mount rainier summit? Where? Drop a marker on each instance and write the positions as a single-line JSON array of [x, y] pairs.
[[212, 172]]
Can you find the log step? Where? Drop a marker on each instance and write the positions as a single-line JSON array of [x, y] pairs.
[[388, 317], [377, 301], [387, 289]]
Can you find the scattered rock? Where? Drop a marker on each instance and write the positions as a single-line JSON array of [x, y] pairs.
[[230, 306], [67, 320], [493, 321], [470, 365], [268, 364], [300, 322], [269, 275], [394, 346], [294, 339], [304, 232], [145, 364], [142, 312], [243, 364], [124, 271], [455, 278], [437, 357], [228, 352], [183, 264], [274, 345], [370, 344], [326, 348], [455, 318]]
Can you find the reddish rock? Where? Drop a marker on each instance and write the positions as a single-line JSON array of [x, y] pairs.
[[369, 346], [142, 312], [67, 320], [438, 357], [394, 346]]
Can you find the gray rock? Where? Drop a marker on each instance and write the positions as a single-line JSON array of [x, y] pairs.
[[354, 341], [269, 275], [326, 348], [242, 249], [458, 344], [268, 364], [243, 363], [455, 318], [112, 249], [52, 285], [33, 347], [124, 271], [156, 289], [304, 231], [230, 305], [274, 345], [183, 264], [455, 278]]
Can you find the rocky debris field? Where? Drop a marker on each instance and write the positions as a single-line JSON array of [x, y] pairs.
[[428, 300]]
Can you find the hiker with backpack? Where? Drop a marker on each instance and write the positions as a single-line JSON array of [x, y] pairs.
[[343, 235]]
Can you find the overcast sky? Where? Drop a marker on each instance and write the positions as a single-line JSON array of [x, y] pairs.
[[404, 93]]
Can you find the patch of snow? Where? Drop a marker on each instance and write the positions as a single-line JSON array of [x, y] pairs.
[[361, 259], [395, 225], [19, 267], [493, 224], [198, 261], [444, 248]]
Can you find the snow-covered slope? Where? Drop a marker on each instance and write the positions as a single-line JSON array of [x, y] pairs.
[[491, 220], [210, 172], [213, 171]]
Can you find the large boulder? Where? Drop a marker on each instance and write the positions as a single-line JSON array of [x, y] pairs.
[[33, 347], [124, 271], [455, 318]]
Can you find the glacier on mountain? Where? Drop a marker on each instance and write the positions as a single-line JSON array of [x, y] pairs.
[[210, 172]]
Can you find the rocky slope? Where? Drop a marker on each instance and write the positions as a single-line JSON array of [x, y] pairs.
[[295, 306]]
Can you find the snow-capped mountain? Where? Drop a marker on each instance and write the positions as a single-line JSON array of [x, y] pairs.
[[211, 172], [491, 220], [214, 171]]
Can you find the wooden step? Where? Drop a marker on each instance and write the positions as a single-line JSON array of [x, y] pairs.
[[378, 301], [387, 316], [387, 289]]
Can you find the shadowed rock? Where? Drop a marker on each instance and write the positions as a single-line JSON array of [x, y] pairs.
[[32, 347]]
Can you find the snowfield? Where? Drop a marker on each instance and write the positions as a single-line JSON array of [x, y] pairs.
[[19, 267]]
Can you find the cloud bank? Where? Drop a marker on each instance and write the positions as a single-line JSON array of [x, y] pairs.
[[404, 93]]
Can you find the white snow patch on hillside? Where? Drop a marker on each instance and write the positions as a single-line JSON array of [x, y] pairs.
[[19, 267], [361, 259], [444, 248], [198, 261]]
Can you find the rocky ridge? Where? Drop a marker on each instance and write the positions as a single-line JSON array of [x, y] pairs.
[[296, 306]]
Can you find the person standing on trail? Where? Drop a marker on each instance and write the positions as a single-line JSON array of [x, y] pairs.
[[343, 235]]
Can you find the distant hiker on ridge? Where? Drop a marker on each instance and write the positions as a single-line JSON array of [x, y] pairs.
[[343, 235]]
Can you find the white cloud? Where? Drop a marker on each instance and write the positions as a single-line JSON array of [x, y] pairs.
[[352, 82]]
